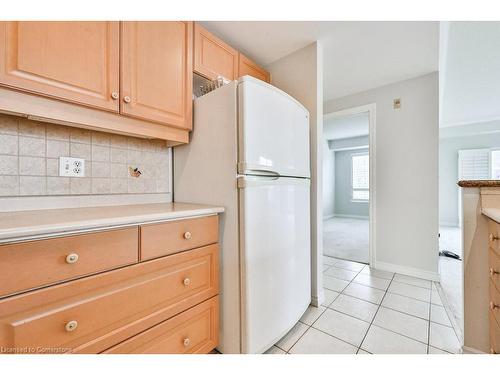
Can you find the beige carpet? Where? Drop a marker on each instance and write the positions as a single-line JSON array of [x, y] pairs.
[[346, 238]]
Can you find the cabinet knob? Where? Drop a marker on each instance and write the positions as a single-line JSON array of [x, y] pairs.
[[186, 281], [187, 235], [493, 237], [493, 272], [493, 306], [71, 325], [126, 99], [72, 258], [114, 95], [186, 341]]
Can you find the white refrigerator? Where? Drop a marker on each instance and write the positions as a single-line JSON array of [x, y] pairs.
[[249, 152]]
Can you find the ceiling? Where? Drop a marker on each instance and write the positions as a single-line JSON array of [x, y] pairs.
[[470, 74], [357, 55], [346, 127]]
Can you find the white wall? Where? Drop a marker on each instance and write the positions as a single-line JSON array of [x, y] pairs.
[[448, 167], [346, 126], [471, 78], [406, 141], [301, 75], [346, 143], [328, 181]]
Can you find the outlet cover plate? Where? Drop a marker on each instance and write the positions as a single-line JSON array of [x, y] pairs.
[[71, 167]]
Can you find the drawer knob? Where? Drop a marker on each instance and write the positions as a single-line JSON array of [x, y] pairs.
[[71, 325], [126, 99], [493, 237], [186, 341], [493, 306], [186, 281], [493, 272], [187, 235], [72, 258], [114, 95]]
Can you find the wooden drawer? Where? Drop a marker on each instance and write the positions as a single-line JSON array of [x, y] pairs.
[[193, 331], [494, 235], [494, 268], [28, 265], [173, 236], [494, 336], [495, 301], [110, 307]]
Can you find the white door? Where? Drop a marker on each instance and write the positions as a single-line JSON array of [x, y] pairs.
[[274, 258], [273, 131]]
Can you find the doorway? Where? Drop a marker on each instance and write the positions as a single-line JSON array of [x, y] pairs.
[[348, 184]]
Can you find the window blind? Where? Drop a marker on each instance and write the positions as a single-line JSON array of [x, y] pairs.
[[474, 164], [360, 177]]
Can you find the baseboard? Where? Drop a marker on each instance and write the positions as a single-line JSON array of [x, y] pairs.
[[351, 216], [318, 300], [448, 224], [409, 271], [328, 217], [469, 350]]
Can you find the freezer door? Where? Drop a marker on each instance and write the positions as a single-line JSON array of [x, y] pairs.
[[274, 258], [273, 131]]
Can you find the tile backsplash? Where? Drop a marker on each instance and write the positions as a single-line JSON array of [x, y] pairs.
[[30, 151]]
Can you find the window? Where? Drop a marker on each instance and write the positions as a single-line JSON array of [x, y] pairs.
[[360, 177], [474, 164], [479, 164], [495, 164]]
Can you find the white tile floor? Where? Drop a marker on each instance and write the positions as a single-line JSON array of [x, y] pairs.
[[371, 311]]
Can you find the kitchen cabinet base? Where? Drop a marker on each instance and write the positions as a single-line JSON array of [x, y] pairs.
[[57, 112]]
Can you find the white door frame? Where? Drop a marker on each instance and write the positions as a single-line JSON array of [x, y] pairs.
[[371, 109]]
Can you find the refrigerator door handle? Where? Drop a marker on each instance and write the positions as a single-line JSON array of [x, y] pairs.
[[251, 181], [255, 169], [262, 172]]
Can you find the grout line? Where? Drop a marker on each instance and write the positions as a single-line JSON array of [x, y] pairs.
[[379, 305], [335, 337], [416, 286], [385, 307], [326, 307], [295, 343], [447, 307], [400, 334], [429, 327], [376, 312]]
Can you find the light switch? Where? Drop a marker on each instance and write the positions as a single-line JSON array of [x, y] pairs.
[[397, 103]]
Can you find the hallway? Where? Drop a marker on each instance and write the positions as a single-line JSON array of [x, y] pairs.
[[367, 311], [346, 238]]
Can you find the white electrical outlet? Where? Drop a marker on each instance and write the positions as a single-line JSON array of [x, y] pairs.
[[71, 167]]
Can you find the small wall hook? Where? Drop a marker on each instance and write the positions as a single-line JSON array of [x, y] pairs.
[[134, 172]]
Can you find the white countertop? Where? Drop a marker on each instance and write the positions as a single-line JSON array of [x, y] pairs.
[[492, 213], [25, 224]]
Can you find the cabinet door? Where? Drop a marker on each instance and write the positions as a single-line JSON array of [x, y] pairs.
[[157, 69], [248, 67], [213, 57], [72, 61]]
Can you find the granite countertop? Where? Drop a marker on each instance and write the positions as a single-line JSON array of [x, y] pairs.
[[25, 224], [479, 183]]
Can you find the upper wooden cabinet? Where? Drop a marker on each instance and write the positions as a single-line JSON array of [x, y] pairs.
[[248, 67], [156, 75], [213, 57], [73, 61]]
